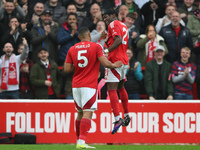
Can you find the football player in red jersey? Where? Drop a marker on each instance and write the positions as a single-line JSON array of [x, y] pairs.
[[117, 41], [85, 57]]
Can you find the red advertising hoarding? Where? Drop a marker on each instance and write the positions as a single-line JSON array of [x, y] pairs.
[[52, 121]]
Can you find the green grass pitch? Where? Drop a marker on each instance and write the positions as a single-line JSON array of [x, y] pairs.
[[99, 147]]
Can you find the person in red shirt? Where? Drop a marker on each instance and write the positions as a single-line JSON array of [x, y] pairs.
[[117, 42], [85, 57]]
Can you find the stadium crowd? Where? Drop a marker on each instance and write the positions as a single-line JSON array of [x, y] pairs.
[[163, 46]]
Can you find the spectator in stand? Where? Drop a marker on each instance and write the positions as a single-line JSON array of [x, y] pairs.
[[151, 11], [10, 62], [158, 83], [132, 30], [96, 34], [24, 5], [166, 20], [147, 44], [171, 3], [123, 11], [197, 79], [44, 34], [16, 33], [71, 8], [104, 5], [133, 8], [187, 9], [32, 18], [32, 3], [176, 37], [67, 36], [183, 76], [10, 9], [45, 76], [134, 76], [90, 21], [175, 3], [82, 9], [56, 8], [25, 86], [140, 3], [1, 38], [193, 25]]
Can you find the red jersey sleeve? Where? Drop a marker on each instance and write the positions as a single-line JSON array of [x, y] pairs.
[[99, 51]]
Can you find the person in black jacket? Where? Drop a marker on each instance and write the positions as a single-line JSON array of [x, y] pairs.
[[91, 20], [151, 11], [15, 34], [134, 76], [176, 37]]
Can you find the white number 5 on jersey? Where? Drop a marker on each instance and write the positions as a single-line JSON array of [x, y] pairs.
[[82, 58], [126, 34]]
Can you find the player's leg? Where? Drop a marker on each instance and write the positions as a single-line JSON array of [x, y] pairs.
[[89, 105], [112, 79], [85, 125], [77, 124], [114, 100], [124, 99]]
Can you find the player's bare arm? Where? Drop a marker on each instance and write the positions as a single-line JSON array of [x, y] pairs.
[[106, 63], [117, 42], [68, 67]]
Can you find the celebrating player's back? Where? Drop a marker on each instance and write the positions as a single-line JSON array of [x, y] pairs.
[[84, 56]]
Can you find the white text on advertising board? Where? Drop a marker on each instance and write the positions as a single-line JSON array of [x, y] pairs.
[[142, 122]]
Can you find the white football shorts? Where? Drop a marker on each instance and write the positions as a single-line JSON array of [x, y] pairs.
[[85, 99], [116, 74]]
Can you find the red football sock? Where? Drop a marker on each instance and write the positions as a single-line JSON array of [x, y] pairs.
[[124, 98], [85, 125], [77, 123], [114, 101]]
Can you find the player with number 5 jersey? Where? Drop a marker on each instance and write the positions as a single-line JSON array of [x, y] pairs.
[[85, 57], [117, 41]]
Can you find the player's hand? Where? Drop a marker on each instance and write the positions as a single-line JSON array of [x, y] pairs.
[[48, 83], [151, 98], [118, 64], [170, 97]]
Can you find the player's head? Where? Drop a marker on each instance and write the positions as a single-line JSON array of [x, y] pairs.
[[109, 16], [84, 34]]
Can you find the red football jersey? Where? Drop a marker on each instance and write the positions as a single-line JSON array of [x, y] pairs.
[[118, 28], [84, 56]]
